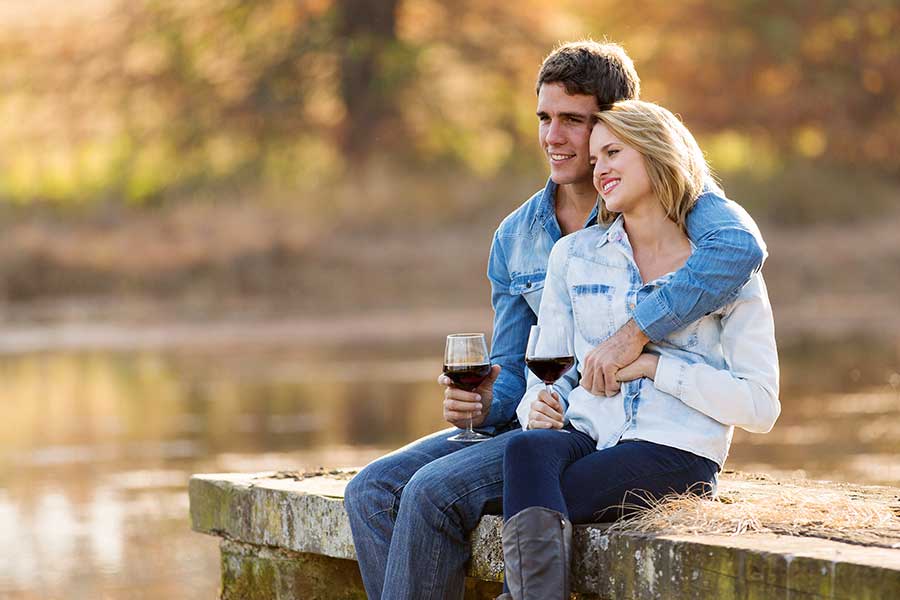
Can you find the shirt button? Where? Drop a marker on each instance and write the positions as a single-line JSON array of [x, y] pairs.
[[528, 285], [631, 306]]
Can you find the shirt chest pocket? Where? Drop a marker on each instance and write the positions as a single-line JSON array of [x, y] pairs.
[[596, 311], [530, 287]]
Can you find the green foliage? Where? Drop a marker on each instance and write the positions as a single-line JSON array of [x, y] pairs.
[[165, 98]]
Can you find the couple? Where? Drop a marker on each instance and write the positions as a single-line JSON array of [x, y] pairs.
[[673, 337]]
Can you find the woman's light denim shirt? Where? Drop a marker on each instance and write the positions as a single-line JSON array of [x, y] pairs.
[[729, 249], [719, 372]]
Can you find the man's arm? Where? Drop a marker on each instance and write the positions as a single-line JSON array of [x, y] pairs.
[[728, 250], [513, 319]]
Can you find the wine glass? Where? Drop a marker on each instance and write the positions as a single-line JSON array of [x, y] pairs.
[[466, 363], [549, 354]]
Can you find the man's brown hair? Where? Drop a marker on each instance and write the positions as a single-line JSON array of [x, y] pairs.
[[603, 70]]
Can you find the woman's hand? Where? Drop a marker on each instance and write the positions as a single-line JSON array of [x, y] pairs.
[[643, 366], [546, 412]]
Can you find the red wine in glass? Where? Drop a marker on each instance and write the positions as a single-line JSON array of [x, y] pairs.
[[467, 377], [467, 365], [549, 354], [550, 369]]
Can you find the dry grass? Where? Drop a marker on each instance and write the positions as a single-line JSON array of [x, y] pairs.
[[745, 503]]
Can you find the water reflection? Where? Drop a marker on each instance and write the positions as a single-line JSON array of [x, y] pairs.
[[106, 515], [55, 529], [17, 568], [96, 449]]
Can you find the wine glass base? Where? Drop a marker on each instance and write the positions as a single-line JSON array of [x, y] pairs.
[[469, 437]]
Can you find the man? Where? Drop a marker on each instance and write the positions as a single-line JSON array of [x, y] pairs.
[[410, 511]]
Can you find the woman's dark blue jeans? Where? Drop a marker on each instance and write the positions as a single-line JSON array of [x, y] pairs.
[[562, 470]]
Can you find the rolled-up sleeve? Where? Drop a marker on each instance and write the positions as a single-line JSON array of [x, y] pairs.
[[745, 393]]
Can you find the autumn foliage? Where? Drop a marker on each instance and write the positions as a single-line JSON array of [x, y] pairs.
[[139, 100]]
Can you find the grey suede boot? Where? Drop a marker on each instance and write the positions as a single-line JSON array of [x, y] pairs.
[[537, 552]]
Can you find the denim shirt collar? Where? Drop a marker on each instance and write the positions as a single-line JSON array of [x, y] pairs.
[[546, 207], [615, 233], [545, 216]]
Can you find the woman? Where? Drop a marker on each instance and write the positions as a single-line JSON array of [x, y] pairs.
[[586, 458]]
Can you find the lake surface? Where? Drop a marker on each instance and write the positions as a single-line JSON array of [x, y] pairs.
[[96, 448]]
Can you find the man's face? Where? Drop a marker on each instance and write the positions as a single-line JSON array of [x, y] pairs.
[[565, 132]]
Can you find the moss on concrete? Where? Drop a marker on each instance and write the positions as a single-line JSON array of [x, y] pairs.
[[258, 573], [211, 503]]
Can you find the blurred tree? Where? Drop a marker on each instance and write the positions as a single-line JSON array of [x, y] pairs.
[[367, 34], [166, 97]]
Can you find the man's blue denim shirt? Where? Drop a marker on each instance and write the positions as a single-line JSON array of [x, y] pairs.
[[728, 250]]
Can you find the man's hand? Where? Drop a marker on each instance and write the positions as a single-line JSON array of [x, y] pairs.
[[459, 404], [546, 412], [603, 362], [644, 366]]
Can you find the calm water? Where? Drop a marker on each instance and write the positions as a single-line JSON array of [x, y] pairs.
[[96, 448]]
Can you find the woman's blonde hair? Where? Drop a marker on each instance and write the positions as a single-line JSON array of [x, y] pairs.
[[675, 164]]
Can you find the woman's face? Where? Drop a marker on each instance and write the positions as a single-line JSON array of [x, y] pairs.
[[620, 174]]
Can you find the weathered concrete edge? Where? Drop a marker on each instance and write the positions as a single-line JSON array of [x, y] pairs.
[[284, 514], [269, 512], [631, 565], [287, 514]]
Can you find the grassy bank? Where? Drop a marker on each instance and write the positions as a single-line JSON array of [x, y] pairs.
[[393, 241]]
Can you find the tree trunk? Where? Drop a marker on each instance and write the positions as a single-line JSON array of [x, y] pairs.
[[367, 30]]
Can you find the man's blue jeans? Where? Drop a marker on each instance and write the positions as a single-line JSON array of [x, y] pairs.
[[411, 512]]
